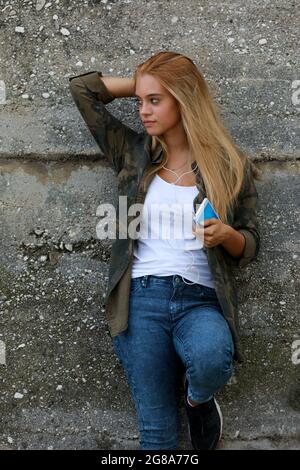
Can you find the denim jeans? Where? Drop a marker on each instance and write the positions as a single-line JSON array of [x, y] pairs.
[[172, 328]]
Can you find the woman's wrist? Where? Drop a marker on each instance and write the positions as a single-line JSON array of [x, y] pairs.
[[234, 242], [119, 87]]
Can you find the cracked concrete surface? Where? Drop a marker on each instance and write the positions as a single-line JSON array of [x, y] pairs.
[[61, 384]]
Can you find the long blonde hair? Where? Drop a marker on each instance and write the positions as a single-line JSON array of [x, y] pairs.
[[221, 162]]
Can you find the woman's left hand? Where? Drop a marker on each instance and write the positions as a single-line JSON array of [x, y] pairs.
[[212, 233]]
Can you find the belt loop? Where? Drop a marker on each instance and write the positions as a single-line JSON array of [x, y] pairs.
[[145, 280]]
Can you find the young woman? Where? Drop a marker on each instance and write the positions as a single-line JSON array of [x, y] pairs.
[[171, 301]]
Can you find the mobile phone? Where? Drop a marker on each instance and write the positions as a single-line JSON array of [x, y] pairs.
[[205, 211]]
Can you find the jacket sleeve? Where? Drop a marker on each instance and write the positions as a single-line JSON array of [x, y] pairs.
[[245, 221], [112, 136]]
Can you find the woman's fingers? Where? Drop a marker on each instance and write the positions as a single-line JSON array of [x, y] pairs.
[[198, 232]]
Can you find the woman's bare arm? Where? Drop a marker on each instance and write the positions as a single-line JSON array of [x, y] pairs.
[[119, 87]]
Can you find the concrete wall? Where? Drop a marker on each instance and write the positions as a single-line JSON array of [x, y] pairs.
[[61, 383]]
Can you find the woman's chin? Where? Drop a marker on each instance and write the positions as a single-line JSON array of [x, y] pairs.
[[152, 131]]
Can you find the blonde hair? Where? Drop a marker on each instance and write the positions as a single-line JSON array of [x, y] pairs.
[[221, 162]]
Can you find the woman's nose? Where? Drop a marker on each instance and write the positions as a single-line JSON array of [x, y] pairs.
[[145, 109]]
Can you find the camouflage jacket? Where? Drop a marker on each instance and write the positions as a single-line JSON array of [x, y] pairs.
[[129, 154]]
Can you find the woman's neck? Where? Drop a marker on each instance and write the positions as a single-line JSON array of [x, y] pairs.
[[178, 148]]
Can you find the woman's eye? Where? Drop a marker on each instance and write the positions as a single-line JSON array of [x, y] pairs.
[[139, 103]]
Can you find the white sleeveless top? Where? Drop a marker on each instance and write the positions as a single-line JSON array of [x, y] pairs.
[[166, 244]]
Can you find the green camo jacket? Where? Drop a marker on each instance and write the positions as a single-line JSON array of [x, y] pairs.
[[129, 153]]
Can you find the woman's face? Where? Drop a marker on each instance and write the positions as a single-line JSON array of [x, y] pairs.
[[156, 105]]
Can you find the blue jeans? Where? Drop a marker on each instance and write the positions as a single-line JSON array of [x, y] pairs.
[[172, 328]]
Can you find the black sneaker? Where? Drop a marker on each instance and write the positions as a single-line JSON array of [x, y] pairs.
[[205, 423]]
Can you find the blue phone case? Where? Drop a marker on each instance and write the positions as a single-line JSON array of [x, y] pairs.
[[208, 213]]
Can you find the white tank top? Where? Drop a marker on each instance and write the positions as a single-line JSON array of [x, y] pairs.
[[166, 244]]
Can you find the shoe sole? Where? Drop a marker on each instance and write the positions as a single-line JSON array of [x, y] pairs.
[[221, 418]]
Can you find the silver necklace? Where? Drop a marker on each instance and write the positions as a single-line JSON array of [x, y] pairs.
[[176, 168]]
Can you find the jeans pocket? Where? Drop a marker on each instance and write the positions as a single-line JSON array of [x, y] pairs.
[[206, 292]]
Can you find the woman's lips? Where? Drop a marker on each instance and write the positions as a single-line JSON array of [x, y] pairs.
[[149, 123]]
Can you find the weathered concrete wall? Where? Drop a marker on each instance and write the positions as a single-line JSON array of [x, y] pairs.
[[61, 383]]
